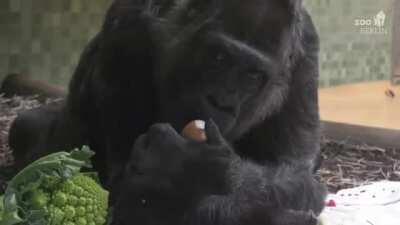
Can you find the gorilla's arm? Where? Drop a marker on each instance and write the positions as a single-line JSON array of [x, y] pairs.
[[112, 88], [263, 195]]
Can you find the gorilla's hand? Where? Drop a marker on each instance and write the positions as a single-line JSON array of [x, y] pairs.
[[165, 160], [168, 174]]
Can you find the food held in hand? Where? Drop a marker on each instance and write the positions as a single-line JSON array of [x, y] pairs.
[[195, 131]]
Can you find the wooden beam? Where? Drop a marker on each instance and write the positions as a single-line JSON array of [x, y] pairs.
[[396, 44], [16, 84], [371, 104], [378, 137]]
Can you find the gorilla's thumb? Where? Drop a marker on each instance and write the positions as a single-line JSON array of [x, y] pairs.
[[214, 136]]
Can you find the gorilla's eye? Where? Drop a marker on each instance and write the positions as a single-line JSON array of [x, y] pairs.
[[253, 80]]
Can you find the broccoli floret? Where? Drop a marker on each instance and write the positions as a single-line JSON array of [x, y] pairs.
[[77, 200], [52, 191], [39, 199]]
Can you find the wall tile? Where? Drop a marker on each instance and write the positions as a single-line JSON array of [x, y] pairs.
[[346, 54], [44, 38]]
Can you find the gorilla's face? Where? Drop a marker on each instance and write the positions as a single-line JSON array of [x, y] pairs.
[[216, 76], [229, 63]]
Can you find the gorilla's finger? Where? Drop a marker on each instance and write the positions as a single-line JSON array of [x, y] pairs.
[[164, 134], [213, 134], [161, 129]]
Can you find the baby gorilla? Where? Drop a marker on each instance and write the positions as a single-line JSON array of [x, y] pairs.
[[250, 66]]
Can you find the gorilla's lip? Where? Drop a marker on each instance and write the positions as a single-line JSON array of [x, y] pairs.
[[224, 117]]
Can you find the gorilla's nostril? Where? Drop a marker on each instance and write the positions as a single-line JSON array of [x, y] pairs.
[[223, 106]]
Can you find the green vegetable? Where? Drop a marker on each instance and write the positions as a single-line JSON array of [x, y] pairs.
[[1, 207], [53, 191]]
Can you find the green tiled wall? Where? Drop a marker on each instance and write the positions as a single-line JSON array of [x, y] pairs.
[[347, 55], [44, 38]]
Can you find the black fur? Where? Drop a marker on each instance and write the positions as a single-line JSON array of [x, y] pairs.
[[250, 66]]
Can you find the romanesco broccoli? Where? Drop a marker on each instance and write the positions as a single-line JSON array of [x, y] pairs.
[[53, 191]]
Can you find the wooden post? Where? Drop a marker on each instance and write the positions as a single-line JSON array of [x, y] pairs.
[[396, 44]]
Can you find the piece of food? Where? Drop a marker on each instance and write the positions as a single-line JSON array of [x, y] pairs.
[[195, 131], [53, 191]]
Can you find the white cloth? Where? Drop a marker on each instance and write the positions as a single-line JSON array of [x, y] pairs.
[[375, 204]]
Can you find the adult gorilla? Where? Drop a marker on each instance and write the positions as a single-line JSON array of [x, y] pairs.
[[249, 68]]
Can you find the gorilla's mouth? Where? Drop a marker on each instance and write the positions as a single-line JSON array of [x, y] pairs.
[[223, 115], [213, 102], [180, 112]]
